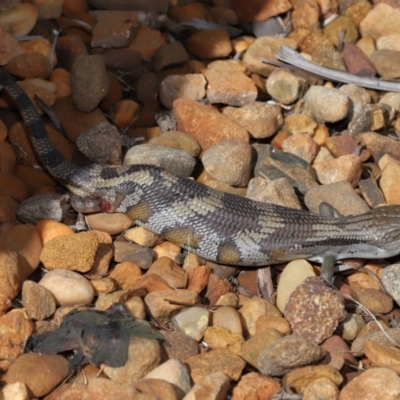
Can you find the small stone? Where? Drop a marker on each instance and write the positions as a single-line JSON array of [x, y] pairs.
[[142, 236], [205, 124], [88, 93], [175, 161], [114, 28], [314, 311], [125, 274], [168, 249], [300, 123], [69, 288], [228, 84], [101, 144], [170, 271], [390, 277], [8, 208], [334, 194], [252, 348], [192, 321], [41, 373], [198, 278], [375, 383], [10, 47], [229, 161], [388, 42], [344, 168], [342, 23], [132, 252], [383, 356], [321, 388], [189, 86], [272, 322], [17, 390], [219, 360], [257, 386], [350, 327], [386, 63], [68, 49], [293, 275], [143, 356], [301, 145], [19, 20], [261, 120], [159, 306], [210, 44], [380, 21], [113, 224], [13, 187], [39, 302], [283, 86], [134, 305], [288, 353], [252, 310], [103, 285], [147, 41], [337, 353], [213, 386], [374, 335], [217, 337], [300, 378], [357, 62], [265, 47], [380, 145], [170, 55], [72, 252], [174, 372], [125, 112], [375, 300], [228, 318], [16, 328], [178, 140], [49, 229], [326, 104], [182, 346]]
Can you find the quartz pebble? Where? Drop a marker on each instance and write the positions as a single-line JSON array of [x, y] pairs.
[[193, 322]]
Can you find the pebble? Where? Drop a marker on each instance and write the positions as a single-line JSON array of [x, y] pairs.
[[8, 208], [390, 278], [142, 236], [334, 194], [17, 390], [210, 44], [88, 93], [19, 20], [229, 161], [255, 385], [174, 372], [210, 387], [16, 328], [386, 69], [379, 145], [252, 310], [68, 288], [227, 318], [300, 123], [388, 42], [344, 168], [383, 356], [284, 87], [228, 84], [261, 120], [376, 301], [177, 162], [101, 144], [125, 274], [189, 86], [273, 322], [103, 285], [300, 378], [218, 360], [321, 388], [337, 353], [301, 145], [182, 346], [197, 278], [351, 326], [170, 55], [192, 321], [132, 252], [206, 125], [375, 383], [168, 249], [147, 41], [287, 353], [178, 140], [377, 336], [41, 373], [49, 229], [113, 224], [38, 301], [293, 275], [143, 356], [170, 271], [357, 62], [313, 310], [217, 337], [252, 347], [326, 104], [159, 306]]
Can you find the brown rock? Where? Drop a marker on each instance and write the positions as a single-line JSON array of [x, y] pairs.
[[261, 120], [228, 318], [182, 346], [205, 124], [301, 145], [104, 254], [383, 356], [376, 383], [375, 300], [13, 187], [219, 360], [300, 378], [16, 328], [357, 62], [143, 356], [73, 252], [170, 271], [272, 322], [125, 111], [170, 55], [198, 278], [386, 63], [210, 44], [228, 84], [8, 208], [255, 386], [178, 140], [314, 310], [8, 158], [154, 389], [113, 224], [49, 229], [218, 337], [216, 288], [68, 49], [126, 274], [33, 178], [28, 66], [147, 41], [337, 353], [41, 373], [39, 303], [10, 47], [213, 386], [321, 388], [260, 10]]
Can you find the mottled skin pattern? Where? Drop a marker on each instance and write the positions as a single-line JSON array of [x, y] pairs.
[[218, 226]]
